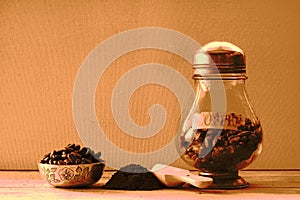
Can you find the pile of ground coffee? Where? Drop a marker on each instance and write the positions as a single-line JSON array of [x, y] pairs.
[[133, 177]]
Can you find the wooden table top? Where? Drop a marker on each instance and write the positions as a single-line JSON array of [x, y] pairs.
[[263, 185]]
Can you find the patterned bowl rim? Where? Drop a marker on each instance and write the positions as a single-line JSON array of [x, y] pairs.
[[87, 164]]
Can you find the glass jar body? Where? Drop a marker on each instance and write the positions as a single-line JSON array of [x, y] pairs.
[[221, 133]]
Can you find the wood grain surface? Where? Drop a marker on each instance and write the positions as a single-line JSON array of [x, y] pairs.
[[263, 185], [43, 44]]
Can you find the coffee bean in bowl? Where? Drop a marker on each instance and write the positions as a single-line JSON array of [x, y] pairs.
[[71, 166]]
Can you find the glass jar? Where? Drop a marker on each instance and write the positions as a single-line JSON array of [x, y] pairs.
[[221, 134]]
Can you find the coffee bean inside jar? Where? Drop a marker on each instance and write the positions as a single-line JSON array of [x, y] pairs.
[[223, 150]]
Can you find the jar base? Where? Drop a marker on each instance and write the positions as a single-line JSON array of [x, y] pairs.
[[226, 180]]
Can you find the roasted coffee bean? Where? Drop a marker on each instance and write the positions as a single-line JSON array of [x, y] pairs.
[[194, 157], [231, 149], [59, 152], [77, 154], [215, 154], [71, 163], [63, 156], [244, 133], [78, 161], [56, 157], [47, 155], [226, 143], [52, 154], [46, 159], [85, 161], [196, 149], [83, 151], [71, 157], [234, 140], [241, 128], [77, 147], [244, 139], [61, 162], [248, 121], [68, 150], [190, 149], [89, 156], [190, 154], [197, 161], [71, 146], [234, 132], [252, 137]]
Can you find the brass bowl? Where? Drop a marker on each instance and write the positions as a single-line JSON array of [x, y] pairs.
[[80, 175]]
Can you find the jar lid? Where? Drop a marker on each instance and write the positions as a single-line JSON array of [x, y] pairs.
[[219, 58]]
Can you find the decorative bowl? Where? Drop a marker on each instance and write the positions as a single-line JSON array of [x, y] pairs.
[[79, 175]]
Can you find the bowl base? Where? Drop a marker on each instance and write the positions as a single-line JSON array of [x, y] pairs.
[[226, 180]]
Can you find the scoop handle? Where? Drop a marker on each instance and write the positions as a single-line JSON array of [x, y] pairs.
[[195, 180]]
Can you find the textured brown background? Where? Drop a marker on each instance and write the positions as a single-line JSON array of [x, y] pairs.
[[43, 43]]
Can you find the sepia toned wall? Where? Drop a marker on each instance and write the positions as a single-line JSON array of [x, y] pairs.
[[43, 44]]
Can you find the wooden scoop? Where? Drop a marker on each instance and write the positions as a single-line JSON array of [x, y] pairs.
[[172, 176]]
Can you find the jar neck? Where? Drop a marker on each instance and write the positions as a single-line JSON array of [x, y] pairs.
[[229, 85], [221, 76]]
